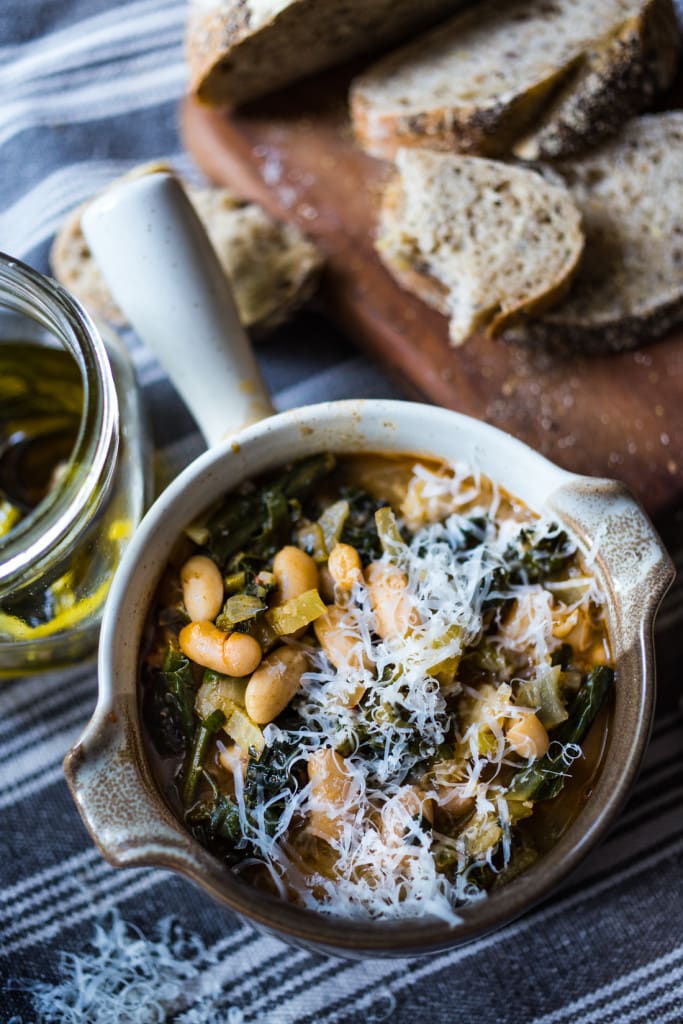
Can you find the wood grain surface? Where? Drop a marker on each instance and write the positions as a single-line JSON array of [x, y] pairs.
[[618, 416]]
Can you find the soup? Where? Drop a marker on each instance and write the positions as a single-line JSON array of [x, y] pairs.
[[369, 683]]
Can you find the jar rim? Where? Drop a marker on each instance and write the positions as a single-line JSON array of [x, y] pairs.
[[80, 492]]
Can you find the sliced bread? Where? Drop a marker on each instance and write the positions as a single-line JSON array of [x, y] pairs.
[[629, 288], [273, 267], [238, 50], [483, 242], [541, 78]]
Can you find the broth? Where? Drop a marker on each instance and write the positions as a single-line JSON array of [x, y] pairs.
[[424, 665]]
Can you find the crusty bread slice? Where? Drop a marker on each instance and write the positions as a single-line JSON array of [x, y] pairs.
[[483, 242], [273, 267], [629, 288], [238, 50], [542, 77]]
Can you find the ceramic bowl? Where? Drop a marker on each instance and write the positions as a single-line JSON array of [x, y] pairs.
[[108, 770]]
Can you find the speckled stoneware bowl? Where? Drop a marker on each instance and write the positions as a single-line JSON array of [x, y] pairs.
[[108, 770]]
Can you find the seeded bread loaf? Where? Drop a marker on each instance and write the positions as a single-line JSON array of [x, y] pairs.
[[238, 50], [540, 78], [272, 266], [483, 242], [629, 288]]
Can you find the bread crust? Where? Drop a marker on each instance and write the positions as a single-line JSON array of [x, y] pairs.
[[273, 268], [616, 80], [231, 62], [583, 101], [614, 334], [417, 279]]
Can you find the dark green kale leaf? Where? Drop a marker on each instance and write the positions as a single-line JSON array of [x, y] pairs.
[[258, 522], [215, 821], [168, 705], [360, 528], [278, 772]]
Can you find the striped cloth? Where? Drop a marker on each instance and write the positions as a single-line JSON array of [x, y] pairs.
[[89, 88]]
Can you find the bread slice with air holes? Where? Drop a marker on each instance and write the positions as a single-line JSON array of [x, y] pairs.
[[273, 267], [537, 78], [629, 288], [483, 242], [238, 50]]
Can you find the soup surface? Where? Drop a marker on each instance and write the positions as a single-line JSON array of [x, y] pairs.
[[369, 682]]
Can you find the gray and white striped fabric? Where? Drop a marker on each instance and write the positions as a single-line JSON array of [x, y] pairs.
[[90, 88]]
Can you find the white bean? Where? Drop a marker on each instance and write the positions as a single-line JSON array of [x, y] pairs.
[[202, 586], [274, 683], [295, 572], [233, 654]]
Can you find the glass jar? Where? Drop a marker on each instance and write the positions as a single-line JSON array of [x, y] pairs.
[[57, 557]]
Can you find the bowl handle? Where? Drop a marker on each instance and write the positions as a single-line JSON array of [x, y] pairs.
[[117, 797], [165, 275], [617, 533]]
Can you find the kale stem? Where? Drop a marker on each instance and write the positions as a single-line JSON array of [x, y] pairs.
[[206, 729]]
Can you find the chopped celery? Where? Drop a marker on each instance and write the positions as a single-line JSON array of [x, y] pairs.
[[310, 538], [225, 696], [332, 521], [241, 607], [244, 732], [219, 691], [389, 534], [296, 613], [544, 693]]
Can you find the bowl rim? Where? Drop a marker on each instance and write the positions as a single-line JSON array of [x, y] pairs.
[[166, 842]]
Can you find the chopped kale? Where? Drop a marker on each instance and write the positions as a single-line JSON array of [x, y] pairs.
[[360, 529], [169, 703], [275, 773], [259, 521]]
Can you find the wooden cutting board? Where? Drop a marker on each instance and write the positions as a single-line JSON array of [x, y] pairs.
[[618, 416]]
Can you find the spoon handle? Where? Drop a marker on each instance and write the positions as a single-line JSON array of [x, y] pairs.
[[164, 273]]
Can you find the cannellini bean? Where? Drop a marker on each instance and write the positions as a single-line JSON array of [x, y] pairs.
[[339, 640], [233, 654], [411, 803], [202, 586], [326, 584], [527, 736], [345, 566], [295, 572], [388, 588], [274, 683], [453, 803], [330, 791]]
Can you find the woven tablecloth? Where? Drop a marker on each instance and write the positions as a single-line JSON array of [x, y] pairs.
[[89, 88]]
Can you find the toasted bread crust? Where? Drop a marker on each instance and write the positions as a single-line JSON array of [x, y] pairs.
[[272, 267], [616, 80], [575, 107], [630, 289], [416, 278], [619, 334], [232, 62]]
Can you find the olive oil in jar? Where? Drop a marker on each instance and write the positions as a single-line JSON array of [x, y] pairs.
[[73, 459], [41, 399]]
